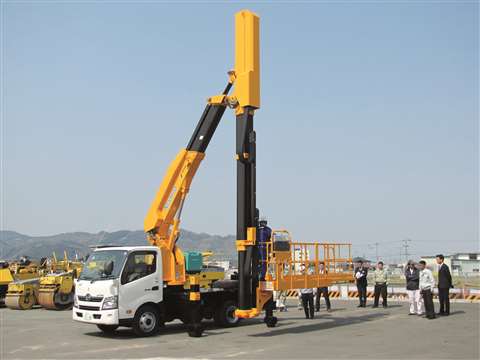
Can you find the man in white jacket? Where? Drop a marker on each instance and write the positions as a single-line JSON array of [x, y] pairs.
[[427, 282]]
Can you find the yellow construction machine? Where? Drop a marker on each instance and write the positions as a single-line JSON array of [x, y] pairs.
[[20, 281], [56, 289], [6, 277], [22, 294], [49, 284], [144, 287]]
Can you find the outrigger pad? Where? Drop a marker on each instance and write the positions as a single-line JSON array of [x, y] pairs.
[[195, 330]]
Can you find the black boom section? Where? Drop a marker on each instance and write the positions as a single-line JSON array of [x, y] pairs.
[[207, 125], [206, 128], [247, 214]]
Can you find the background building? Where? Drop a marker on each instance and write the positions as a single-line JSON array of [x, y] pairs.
[[467, 264]]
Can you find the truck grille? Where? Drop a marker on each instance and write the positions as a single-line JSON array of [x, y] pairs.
[[93, 308], [90, 298]]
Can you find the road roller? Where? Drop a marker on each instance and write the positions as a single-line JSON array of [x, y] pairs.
[[23, 269], [56, 291], [57, 288], [6, 277], [22, 294]]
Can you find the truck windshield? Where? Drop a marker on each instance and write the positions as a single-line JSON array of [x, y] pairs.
[[96, 267]]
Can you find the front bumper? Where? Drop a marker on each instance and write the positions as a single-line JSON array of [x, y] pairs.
[[103, 317]]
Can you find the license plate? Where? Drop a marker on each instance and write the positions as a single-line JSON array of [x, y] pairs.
[[88, 316]]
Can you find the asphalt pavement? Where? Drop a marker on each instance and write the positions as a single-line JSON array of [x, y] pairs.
[[346, 332]]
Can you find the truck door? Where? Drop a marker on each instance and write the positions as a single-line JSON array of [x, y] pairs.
[[140, 282]]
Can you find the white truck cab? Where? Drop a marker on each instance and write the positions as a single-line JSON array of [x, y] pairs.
[[117, 282]]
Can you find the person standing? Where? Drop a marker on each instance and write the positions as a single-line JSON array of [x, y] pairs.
[[280, 300], [322, 290], [381, 281], [444, 285], [264, 235], [412, 276], [426, 284], [300, 303], [307, 302], [361, 273]]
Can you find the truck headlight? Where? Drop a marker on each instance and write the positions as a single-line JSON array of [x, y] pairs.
[[75, 301], [110, 303]]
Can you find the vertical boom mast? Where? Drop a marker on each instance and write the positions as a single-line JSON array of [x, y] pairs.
[[163, 219]]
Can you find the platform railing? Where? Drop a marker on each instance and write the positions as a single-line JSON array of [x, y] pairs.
[[294, 265]]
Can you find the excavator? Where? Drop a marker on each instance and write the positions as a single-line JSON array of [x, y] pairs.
[[144, 287]]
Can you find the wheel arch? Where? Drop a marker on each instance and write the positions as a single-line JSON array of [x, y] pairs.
[[158, 306]]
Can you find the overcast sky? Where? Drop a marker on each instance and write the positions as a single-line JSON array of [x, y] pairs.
[[368, 130]]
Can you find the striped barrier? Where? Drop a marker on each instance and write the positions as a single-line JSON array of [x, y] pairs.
[[334, 294], [331, 294], [394, 293], [353, 294]]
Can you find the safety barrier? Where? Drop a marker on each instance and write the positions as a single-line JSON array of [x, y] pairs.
[[331, 294], [394, 293], [334, 294]]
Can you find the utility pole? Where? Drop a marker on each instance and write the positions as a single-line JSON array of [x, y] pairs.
[[406, 246], [376, 250]]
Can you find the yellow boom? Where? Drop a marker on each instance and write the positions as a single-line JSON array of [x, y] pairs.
[[162, 223]]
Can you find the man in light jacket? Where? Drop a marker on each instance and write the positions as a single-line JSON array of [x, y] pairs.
[[381, 281], [412, 276], [427, 282]]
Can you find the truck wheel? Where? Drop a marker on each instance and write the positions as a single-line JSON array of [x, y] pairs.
[[146, 321], [107, 329], [225, 314]]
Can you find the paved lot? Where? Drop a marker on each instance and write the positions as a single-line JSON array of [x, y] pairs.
[[344, 333]]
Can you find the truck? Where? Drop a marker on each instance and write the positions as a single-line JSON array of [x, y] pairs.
[[123, 286], [144, 287]]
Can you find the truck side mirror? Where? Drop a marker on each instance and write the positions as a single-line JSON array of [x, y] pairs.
[[108, 268]]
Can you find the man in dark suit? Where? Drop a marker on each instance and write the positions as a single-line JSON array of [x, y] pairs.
[[360, 275], [444, 285]]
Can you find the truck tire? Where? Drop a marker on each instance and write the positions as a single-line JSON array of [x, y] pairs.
[[108, 329], [224, 315], [146, 321]]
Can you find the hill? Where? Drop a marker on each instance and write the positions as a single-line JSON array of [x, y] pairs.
[[14, 244]]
